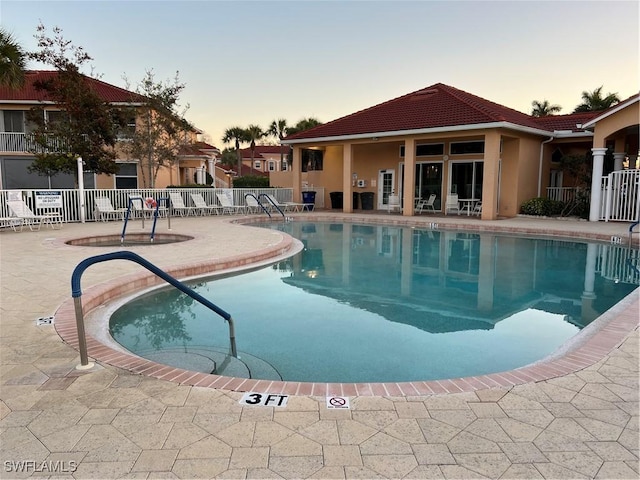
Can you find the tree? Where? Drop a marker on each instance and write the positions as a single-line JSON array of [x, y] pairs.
[[594, 101], [161, 130], [86, 126], [253, 133], [237, 135], [13, 61], [301, 126], [544, 108], [278, 129]]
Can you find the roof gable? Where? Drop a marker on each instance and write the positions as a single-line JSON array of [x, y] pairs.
[[433, 107], [28, 93]]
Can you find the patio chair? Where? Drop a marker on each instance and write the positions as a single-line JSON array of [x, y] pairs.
[[226, 200], [253, 206], [428, 204], [202, 206], [104, 209], [477, 210], [393, 204], [141, 206], [178, 205], [452, 204], [21, 210]]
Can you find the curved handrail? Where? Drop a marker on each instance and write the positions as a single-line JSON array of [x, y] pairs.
[[273, 203], [257, 200], [76, 293]]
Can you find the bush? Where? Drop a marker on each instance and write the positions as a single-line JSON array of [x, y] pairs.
[[251, 181], [541, 206]]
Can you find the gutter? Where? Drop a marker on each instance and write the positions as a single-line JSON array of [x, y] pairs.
[[550, 139]]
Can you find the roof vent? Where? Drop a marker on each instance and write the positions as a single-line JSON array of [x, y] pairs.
[[424, 93]]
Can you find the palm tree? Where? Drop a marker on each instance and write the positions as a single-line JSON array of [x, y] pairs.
[[304, 124], [594, 101], [278, 129], [544, 108], [237, 135], [253, 133], [12, 61]]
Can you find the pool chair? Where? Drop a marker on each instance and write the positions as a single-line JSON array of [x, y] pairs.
[[452, 204], [202, 206], [289, 206], [477, 210], [428, 204], [141, 206], [104, 209], [178, 205], [226, 200], [20, 210]]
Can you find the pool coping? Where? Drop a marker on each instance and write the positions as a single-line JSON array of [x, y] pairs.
[[586, 348]]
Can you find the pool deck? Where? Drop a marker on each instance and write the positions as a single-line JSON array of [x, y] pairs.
[[577, 418]]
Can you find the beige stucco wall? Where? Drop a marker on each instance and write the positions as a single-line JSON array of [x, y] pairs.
[[609, 126]]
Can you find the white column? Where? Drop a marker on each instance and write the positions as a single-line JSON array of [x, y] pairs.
[[596, 184], [212, 169], [81, 189], [618, 159]]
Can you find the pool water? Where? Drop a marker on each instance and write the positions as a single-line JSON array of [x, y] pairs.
[[366, 303]]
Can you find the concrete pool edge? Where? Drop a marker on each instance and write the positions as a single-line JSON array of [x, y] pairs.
[[613, 327]]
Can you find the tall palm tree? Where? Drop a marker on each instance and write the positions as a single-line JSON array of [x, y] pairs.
[[278, 129], [13, 60], [544, 108], [236, 135], [594, 101], [304, 124], [253, 133]]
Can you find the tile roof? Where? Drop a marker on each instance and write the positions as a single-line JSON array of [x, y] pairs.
[[260, 149], [565, 122], [29, 93], [436, 106]]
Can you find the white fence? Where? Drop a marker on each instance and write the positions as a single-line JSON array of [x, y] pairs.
[[619, 263], [70, 209], [562, 194], [621, 196]]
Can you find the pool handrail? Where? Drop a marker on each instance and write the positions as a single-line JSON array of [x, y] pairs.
[[76, 293], [259, 203], [273, 203], [155, 215]]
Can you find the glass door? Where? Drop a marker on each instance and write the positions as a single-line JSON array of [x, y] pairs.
[[466, 179], [428, 181]]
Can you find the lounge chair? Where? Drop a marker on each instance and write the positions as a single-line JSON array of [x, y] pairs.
[[202, 206], [104, 209], [140, 206], [253, 206], [13, 222], [428, 204], [289, 206], [226, 200], [21, 210], [178, 205]]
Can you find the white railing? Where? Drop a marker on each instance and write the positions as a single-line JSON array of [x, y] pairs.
[[70, 210], [618, 263], [562, 194], [19, 142]]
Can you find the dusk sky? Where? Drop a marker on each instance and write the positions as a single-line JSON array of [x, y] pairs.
[[252, 62]]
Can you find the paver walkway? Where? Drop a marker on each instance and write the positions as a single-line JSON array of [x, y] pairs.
[[108, 423]]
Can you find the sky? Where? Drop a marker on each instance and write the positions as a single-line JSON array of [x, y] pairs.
[[253, 62]]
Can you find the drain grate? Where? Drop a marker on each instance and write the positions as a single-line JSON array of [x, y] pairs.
[[45, 320]]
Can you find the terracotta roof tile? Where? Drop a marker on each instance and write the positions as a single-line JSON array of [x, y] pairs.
[[565, 122], [29, 93], [436, 106]]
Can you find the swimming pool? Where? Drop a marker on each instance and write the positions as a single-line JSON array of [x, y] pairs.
[[365, 303]]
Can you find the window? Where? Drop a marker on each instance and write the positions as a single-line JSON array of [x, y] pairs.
[[13, 121], [55, 116], [272, 166], [257, 164], [557, 155], [127, 175], [426, 149], [127, 131], [311, 159], [464, 148]]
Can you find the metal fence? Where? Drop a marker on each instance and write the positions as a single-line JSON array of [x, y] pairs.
[[69, 199]]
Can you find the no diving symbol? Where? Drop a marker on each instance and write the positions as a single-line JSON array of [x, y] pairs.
[[338, 402]]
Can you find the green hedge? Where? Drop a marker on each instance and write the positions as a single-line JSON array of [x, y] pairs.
[[542, 207], [251, 181]]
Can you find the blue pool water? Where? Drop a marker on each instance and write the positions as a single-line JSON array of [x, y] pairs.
[[365, 303]]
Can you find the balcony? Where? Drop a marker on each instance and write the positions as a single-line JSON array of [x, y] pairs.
[[20, 142]]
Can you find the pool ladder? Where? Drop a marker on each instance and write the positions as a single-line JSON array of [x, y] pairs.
[[155, 216], [76, 293], [269, 200], [632, 266]]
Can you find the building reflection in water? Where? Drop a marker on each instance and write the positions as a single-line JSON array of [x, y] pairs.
[[443, 281]]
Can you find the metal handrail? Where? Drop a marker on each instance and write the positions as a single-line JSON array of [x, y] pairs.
[[631, 227], [76, 293], [259, 202], [273, 203], [155, 215]]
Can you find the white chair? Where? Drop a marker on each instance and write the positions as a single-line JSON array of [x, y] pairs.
[[253, 206], [428, 204], [393, 203], [226, 200], [104, 209], [284, 207], [21, 210], [452, 204], [178, 206], [477, 210], [202, 206]]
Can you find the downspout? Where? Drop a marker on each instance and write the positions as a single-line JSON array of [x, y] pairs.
[[540, 163]]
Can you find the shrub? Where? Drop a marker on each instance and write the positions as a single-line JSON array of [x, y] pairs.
[[251, 181], [539, 206]]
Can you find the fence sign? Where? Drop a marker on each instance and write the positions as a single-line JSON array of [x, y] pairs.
[[48, 199]]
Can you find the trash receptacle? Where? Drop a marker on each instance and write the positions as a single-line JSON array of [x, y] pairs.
[[337, 199], [356, 200], [367, 200], [309, 198]]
